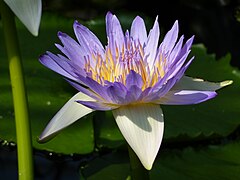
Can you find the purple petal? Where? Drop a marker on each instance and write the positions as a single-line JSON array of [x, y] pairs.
[[174, 70], [186, 97], [114, 33], [157, 92], [170, 39], [117, 92], [84, 90], [87, 40], [177, 60], [100, 106], [58, 65], [144, 93], [134, 78], [133, 94], [71, 49], [185, 50], [100, 90], [175, 51], [163, 85], [138, 30], [179, 74], [177, 63], [152, 43]]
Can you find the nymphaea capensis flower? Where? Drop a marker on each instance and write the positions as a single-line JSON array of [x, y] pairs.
[[131, 76]]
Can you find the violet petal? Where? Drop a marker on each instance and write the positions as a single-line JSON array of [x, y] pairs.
[[186, 97], [138, 30]]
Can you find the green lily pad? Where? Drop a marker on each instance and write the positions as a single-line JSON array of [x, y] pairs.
[[211, 162], [107, 132], [47, 92], [110, 166], [217, 117]]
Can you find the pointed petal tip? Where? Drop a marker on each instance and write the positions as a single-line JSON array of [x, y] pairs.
[[61, 34], [28, 12], [176, 23], [34, 32], [142, 126], [34, 29], [148, 166], [46, 136], [76, 24], [156, 21], [137, 19], [42, 139], [226, 83], [66, 116], [42, 58], [192, 38], [109, 15]]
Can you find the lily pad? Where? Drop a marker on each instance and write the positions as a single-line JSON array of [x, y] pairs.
[[110, 166], [211, 162], [218, 117], [47, 92]]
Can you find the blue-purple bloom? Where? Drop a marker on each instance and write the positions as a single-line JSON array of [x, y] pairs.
[[131, 76]]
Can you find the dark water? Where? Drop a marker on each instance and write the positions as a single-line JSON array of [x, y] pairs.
[[46, 165]]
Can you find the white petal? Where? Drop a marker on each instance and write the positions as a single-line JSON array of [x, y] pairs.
[[67, 115], [28, 11], [188, 83], [142, 127]]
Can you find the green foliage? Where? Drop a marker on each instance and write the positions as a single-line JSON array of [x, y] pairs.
[[211, 162], [207, 163], [218, 117]]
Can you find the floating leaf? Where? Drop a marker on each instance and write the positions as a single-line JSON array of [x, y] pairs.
[[110, 166], [47, 93], [212, 162], [218, 117]]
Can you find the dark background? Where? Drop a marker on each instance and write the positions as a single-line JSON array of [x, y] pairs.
[[213, 22]]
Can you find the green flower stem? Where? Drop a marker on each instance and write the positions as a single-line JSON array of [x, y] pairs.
[[24, 146], [138, 172]]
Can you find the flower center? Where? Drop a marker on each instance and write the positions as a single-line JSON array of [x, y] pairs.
[[115, 66]]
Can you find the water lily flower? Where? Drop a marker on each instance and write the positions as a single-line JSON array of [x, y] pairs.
[[132, 76], [28, 11]]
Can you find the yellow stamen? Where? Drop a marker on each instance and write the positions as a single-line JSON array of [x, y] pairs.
[[116, 68]]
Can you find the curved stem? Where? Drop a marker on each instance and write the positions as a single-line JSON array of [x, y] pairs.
[[138, 172], [24, 144]]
